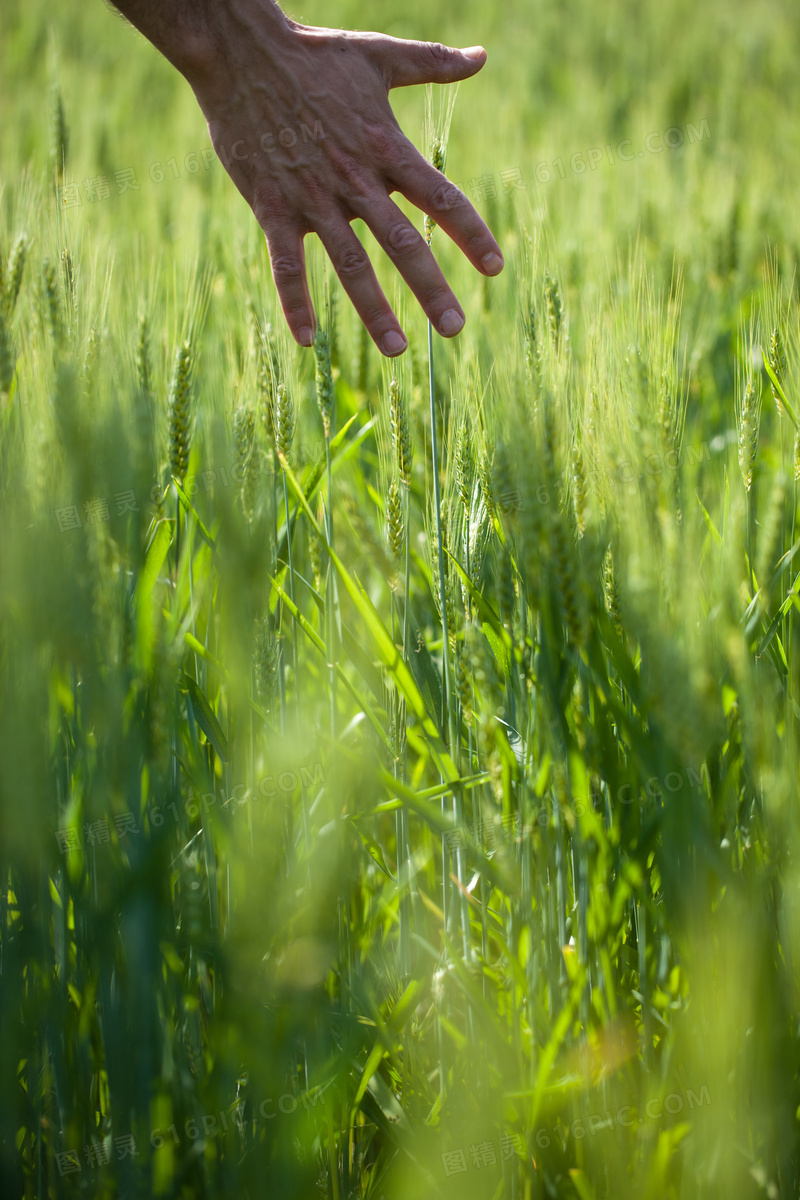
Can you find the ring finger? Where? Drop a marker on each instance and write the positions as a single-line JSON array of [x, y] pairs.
[[352, 265]]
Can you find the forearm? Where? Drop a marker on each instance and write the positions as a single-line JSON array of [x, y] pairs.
[[190, 33]]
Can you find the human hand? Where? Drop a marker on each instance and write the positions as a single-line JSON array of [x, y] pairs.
[[261, 75]]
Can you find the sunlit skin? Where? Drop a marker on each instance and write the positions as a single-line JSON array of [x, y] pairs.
[[256, 74]]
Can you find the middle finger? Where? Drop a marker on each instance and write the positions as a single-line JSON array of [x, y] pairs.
[[413, 258]]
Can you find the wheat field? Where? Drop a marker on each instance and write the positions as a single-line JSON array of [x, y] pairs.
[[399, 785]]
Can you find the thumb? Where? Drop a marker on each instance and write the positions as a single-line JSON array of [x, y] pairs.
[[405, 62]]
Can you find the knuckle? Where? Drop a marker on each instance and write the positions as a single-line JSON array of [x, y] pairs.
[[436, 299], [446, 197], [382, 141], [437, 54], [296, 314], [350, 172], [286, 267], [263, 204], [403, 236], [376, 320], [315, 196], [479, 242], [371, 44], [353, 262]]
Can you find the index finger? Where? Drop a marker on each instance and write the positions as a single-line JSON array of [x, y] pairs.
[[433, 193]]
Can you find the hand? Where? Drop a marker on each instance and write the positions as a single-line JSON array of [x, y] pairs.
[[301, 119]]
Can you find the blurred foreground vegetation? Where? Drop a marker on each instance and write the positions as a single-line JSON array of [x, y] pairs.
[[296, 893]]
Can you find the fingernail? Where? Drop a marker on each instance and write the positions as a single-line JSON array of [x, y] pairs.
[[473, 52], [451, 323], [492, 263], [393, 343], [305, 336]]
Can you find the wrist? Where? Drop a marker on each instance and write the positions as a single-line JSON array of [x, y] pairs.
[[229, 30]]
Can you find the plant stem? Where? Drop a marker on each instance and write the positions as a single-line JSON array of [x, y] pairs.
[[331, 599]]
